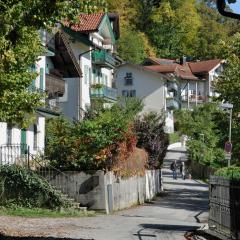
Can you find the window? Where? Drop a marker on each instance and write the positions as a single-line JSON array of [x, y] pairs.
[[9, 134], [35, 137], [94, 76], [128, 79], [129, 93]]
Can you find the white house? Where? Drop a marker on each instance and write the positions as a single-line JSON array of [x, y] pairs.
[[158, 92], [195, 78], [92, 43]]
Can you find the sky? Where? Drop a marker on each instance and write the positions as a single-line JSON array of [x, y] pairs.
[[235, 6]]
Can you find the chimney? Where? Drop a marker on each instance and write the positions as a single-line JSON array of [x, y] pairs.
[[183, 60]]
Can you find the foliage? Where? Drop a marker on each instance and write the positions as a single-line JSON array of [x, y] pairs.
[[130, 46], [175, 27], [15, 210], [20, 22], [229, 172], [94, 142], [27, 189], [228, 85], [202, 127], [174, 137], [150, 133]]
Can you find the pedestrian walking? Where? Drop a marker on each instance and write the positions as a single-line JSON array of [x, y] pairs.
[[174, 169], [182, 170]]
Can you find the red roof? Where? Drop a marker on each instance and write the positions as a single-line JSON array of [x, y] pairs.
[[160, 60], [87, 22], [182, 71], [204, 66]]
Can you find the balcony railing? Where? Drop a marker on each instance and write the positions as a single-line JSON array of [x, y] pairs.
[[50, 103], [103, 59], [194, 98], [172, 86], [55, 85], [104, 92], [172, 103]]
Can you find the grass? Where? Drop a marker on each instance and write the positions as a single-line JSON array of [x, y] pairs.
[[174, 137], [39, 212]]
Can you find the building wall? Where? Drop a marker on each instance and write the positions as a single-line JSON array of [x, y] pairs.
[[69, 102], [40, 121], [107, 192], [149, 87]]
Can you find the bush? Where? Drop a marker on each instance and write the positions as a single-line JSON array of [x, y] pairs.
[[24, 188], [151, 136], [93, 143], [229, 172]]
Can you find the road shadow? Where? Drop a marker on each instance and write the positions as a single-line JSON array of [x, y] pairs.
[[3, 237]]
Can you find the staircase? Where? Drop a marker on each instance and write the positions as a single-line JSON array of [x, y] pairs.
[[60, 181]]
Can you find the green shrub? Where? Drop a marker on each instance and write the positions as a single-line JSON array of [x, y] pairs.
[[151, 137], [27, 189], [229, 172]]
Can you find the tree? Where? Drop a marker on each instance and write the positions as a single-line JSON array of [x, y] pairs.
[[130, 46], [205, 137], [228, 85], [172, 31], [20, 21]]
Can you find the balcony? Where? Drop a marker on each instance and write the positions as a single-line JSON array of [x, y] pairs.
[[193, 98], [172, 103], [172, 86], [103, 59], [104, 92], [55, 85]]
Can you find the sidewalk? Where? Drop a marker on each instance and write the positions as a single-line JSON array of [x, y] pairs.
[[176, 211]]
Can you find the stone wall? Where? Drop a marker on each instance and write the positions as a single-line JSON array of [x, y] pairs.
[[106, 192]]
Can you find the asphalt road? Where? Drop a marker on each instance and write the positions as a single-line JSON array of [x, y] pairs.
[[170, 216]]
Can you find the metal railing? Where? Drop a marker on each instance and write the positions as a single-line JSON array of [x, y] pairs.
[[20, 155], [43, 167], [104, 92], [103, 58]]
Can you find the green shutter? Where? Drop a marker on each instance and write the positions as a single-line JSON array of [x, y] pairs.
[[23, 141], [41, 79]]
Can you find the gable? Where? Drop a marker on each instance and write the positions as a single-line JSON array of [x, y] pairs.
[[105, 29]]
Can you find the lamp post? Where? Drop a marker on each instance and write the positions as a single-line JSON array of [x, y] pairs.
[[229, 107]]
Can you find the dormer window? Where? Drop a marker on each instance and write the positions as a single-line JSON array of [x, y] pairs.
[[128, 79]]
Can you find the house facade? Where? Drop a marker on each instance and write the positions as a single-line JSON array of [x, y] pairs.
[[195, 78], [92, 43], [158, 92]]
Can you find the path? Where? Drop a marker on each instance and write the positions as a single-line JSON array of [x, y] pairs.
[[170, 216]]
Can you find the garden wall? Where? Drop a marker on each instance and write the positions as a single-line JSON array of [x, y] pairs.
[[106, 192]]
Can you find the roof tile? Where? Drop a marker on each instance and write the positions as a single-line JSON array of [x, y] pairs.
[[87, 22]]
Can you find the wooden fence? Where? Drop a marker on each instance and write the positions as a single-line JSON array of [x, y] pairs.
[[224, 215]]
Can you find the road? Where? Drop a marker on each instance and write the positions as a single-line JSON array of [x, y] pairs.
[[172, 214]]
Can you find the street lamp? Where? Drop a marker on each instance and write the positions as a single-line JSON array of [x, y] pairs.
[[229, 107]]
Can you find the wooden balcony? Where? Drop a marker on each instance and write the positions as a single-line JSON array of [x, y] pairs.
[[194, 98], [55, 85]]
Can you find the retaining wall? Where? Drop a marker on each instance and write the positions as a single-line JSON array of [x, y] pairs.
[[106, 192]]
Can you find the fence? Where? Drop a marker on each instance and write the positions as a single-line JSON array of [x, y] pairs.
[[224, 215], [14, 154]]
